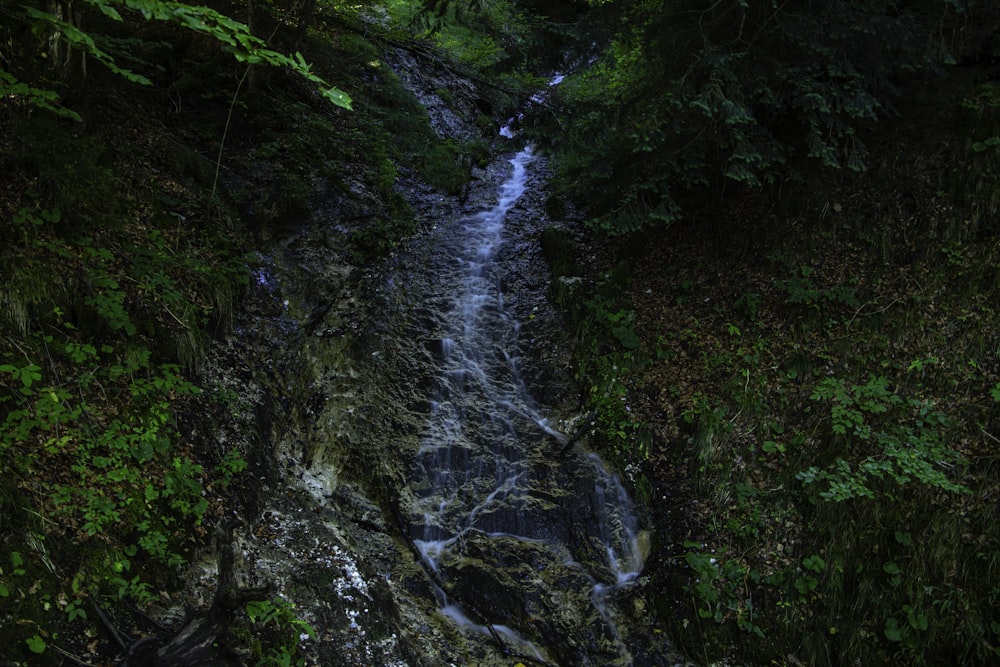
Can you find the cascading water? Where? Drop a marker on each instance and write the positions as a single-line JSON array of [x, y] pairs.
[[405, 392], [517, 539]]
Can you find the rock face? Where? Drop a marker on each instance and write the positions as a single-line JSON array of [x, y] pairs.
[[337, 371]]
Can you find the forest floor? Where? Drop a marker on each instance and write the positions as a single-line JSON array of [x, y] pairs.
[[822, 382]]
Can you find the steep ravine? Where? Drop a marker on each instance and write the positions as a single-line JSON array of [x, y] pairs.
[[332, 368]]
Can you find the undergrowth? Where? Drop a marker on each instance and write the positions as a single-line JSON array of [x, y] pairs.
[[830, 391], [121, 262], [107, 304]]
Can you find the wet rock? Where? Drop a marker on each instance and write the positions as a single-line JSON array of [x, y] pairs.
[[534, 590], [334, 368]]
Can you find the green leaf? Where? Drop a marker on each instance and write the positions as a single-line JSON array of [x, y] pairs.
[[771, 446], [805, 585], [36, 644], [84, 42], [892, 630], [916, 620], [29, 374], [39, 97], [626, 337], [338, 97], [814, 563], [981, 146], [308, 629], [106, 9]]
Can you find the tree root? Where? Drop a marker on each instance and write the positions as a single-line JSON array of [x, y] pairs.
[[204, 639]]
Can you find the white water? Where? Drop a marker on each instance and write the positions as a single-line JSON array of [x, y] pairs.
[[478, 470]]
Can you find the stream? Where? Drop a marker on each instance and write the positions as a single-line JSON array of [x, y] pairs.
[[499, 520], [419, 505]]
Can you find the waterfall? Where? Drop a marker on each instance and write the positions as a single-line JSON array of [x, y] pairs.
[[510, 533]]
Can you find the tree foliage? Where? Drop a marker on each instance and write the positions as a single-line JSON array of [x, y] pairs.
[[68, 43], [736, 94], [491, 36]]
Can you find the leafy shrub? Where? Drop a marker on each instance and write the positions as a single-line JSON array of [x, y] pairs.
[[733, 95], [906, 441]]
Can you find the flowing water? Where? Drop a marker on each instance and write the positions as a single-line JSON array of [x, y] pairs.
[[522, 541], [405, 404]]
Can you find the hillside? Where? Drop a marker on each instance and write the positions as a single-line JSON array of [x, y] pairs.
[[806, 387]]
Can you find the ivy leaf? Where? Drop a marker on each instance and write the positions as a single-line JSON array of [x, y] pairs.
[[36, 644]]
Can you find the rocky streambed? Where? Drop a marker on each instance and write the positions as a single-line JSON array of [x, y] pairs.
[[342, 379]]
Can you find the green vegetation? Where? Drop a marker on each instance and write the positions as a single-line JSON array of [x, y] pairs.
[[609, 355], [70, 45], [684, 101], [275, 621], [823, 406], [146, 149], [792, 335], [103, 497]]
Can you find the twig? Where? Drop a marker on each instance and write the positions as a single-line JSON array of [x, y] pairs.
[[874, 312], [108, 624], [167, 308], [69, 656], [229, 116], [44, 518], [225, 131], [736, 416], [19, 348]]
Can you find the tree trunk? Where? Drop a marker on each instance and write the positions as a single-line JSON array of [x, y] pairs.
[[69, 63]]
